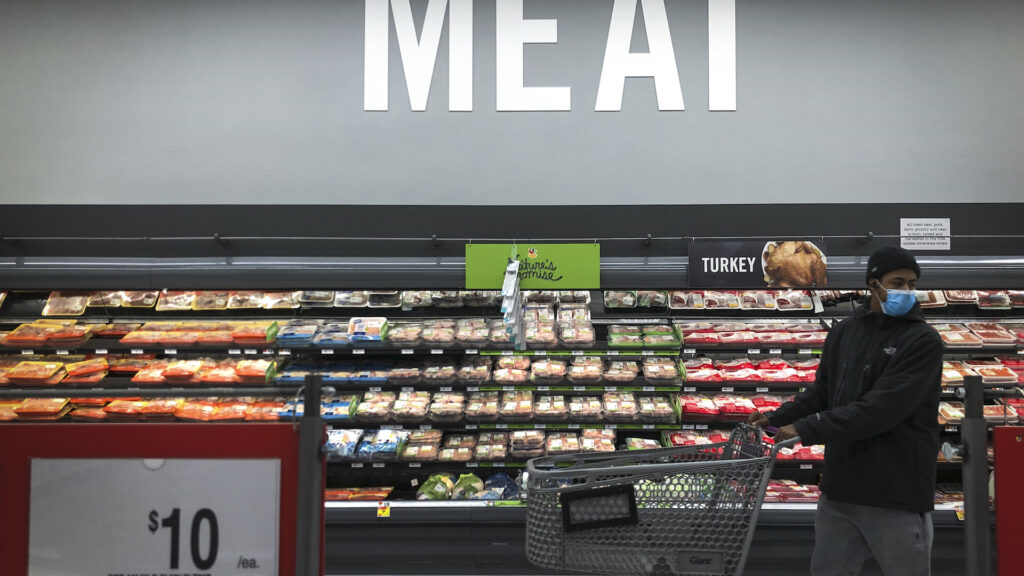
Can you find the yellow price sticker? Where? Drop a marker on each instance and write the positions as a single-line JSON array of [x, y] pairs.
[[383, 510]]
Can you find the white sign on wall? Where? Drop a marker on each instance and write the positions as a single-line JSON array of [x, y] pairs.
[[925, 233], [115, 517]]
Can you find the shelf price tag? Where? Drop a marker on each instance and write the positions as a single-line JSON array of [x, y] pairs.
[[414, 465], [648, 389], [374, 388], [540, 353], [762, 389], [501, 426], [507, 353], [689, 389], [407, 351], [540, 426], [472, 389], [687, 426], [251, 351], [267, 352], [472, 464], [357, 464], [702, 426], [358, 351], [543, 388], [378, 464], [285, 352], [577, 352], [384, 509], [775, 351], [690, 351], [101, 351], [727, 389], [445, 389], [613, 352], [426, 427], [234, 351], [470, 351], [647, 353], [754, 351], [327, 352], [62, 352], [471, 426], [408, 389], [611, 388], [574, 426], [804, 352], [436, 351], [508, 388], [27, 352], [579, 388], [648, 427], [137, 351], [610, 426], [806, 466], [167, 351], [215, 517]]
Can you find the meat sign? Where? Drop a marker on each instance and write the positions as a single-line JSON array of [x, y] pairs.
[[746, 264]]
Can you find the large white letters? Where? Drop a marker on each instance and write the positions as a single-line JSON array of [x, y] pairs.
[[659, 63], [513, 31], [722, 55], [419, 55]]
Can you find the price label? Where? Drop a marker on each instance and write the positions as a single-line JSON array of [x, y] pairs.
[[806, 466], [648, 426], [579, 388], [501, 426], [446, 388], [425, 427], [647, 353], [775, 351], [577, 352], [472, 351], [358, 351], [687, 426], [754, 351], [407, 351], [610, 426], [285, 352], [251, 351], [540, 353], [471, 464], [167, 351], [507, 353], [471, 426], [689, 389], [137, 350], [648, 388], [436, 351], [613, 352], [702, 426], [267, 352], [408, 389], [762, 389], [690, 351], [374, 388], [62, 352], [215, 517], [508, 388], [327, 352], [384, 508], [414, 465], [540, 426], [357, 464], [727, 388], [472, 389], [498, 464], [952, 429], [27, 352], [234, 351], [543, 388], [378, 464], [101, 351], [804, 351], [574, 426], [611, 389]]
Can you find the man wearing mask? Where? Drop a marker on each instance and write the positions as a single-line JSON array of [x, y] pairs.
[[874, 404]]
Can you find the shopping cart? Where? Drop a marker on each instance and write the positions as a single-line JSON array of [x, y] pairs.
[[672, 511]]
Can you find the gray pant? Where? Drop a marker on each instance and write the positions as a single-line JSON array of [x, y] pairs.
[[846, 534]]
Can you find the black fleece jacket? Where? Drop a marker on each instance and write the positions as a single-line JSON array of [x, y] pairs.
[[874, 405]]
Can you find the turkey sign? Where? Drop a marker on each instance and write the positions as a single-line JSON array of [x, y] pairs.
[[757, 264], [513, 32]]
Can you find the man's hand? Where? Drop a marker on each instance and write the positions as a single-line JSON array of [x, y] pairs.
[[786, 432], [757, 419]]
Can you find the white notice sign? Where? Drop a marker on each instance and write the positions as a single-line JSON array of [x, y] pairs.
[[113, 517], [925, 233]]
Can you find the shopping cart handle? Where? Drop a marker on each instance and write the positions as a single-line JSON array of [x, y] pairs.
[[785, 444]]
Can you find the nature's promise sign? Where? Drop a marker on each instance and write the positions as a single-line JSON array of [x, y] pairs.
[[541, 266]]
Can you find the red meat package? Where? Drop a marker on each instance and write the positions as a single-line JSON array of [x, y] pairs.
[[41, 406], [772, 364], [701, 339], [700, 363], [782, 375], [703, 375], [122, 407], [735, 364], [91, 366], [196, 411], [88, 415], [142, 338], [960, 340], [961, 296], [94, 378], [742, 375], [737, 338], [686, 438], [996, 337], [161, 408], [775, 338], [253, 369], [731, 404], [265, 411], [766, 402], [698, 405], [90, 402], [810, 338], [234, 411]]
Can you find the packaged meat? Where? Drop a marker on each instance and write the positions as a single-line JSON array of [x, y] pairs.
[[620, 372], [757, 300], [737, 338], [547, 371], [316, 298], [660, 371], [625, 341], [66, 303], [42, 406], [211, 300], [684, 300], [793, 300], [597, 441], [514, 362], [651, 299], [490, 452], [733, 405], [265, 412], [997, 375], [343, 443], [175, 300], [500, 335], [105, 299], [697, 406], [766, 402], [586, 370], [139, 299], [416, 299], [985, 327], [619, 299], [574, 296], [810, 338], [351, 299], [440, 372], [585, 409], [482, 407], [541, 335], [661, 341], [540, 296], [931, 299], [996, 337], [86, 415], [701, 339], [960, 340], [375, 407], [779, 375], [803, 327], [999, 414], [93, 378], [703, 375], [420, 452], [411, 407], [384, 299], [434, 337], [620, 407], [772, 364], [116, 330], [774, 338], [526, 439], [550, 409], [624, 329], [735, 364], [961, 296], [479, 298], [509, 376], [717, 300], [580, 335], [447, 299], [642, 444], [493, 438], [744, 375], [367, 329], [539, 313], [950, 328], [252, 332], [457, 454], [563, 443], [280, 300], [460, 441], [700, 363], [516, 406], [132, 408], [994, 300], [472, 333], [656, 409], [475, 370], [32, 371]]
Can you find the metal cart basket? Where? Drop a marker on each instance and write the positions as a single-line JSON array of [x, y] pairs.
[[673, 511]]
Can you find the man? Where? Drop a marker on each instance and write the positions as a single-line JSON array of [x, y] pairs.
[[874, 404]]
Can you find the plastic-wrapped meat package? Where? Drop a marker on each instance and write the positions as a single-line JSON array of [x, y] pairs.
[[586, 370], [547, 371], [960, 340], [499, 335], [574, 296], [717, 436], [440, 372], [997, 375], [651, 299], [456, 454], [362, 328], [437, 336], [411, 407], [660, 341], [950, 328], [105, 299], [757, 300], [66, 303], [772, 364], [951, 412], [621, 372], [625, 340], [686, 438], [479, 298], [642, 444], [515, 362], [766, 402], [619, 299], [585, 409], [420, 452], [460, 441], [472, 332], [516, 406], [698, 406], [737, 338], [116, 330], [375, 407], [996, 337], [793, 300], [33, 371], [774, 338], [139, 299], [550, 409], [510, 376], [656, 409], [625, 329], [780, 375], [475, 370], [801, 327], [1016, 298], [482, 407], [563, 443], [735, 364], [715, 300], [620, 407], [931, 299], [994, 300], [490, 452], [602, 444], [702, 339], [961, 296], [541, 335], [416, 299], [540, 296], [447, 299], [810, 338], [699, 363], [405, 335], [384, 299], [703, 375], [175, 300], [577, 335], [684, 300], [660, 371], [317, 298], [351, 299], [742, 375], [526, 444], [733, 406], [533, 313], [985, 326]]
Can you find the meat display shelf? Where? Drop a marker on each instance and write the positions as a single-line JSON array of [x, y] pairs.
[[453, 426]]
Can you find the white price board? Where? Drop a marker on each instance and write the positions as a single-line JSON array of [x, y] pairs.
[[114, 517], [925, 233]]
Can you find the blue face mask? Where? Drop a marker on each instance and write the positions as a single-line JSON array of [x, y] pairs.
[[899, 302]]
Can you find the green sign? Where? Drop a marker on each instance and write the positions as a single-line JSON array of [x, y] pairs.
[[541, 266]]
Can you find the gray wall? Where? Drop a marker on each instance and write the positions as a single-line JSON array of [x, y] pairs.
[[260, 102]]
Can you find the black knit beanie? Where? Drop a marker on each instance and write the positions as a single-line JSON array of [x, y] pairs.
[[890, 258]]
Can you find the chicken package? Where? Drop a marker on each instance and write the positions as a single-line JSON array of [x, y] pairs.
[[105, 299], [620, 407], [351, 299], [573, 313], [540, 296], [550, 409], [500, 335], [757, 300], [950, 327], [625, 329], [625, 340], [447, 299], [685, 438], [563, 443], [574, 296], [586, 370], [585, 409], [411, 407], [514, 362], [526, 444], [384, 299], [661, 341], [737, 339], [780, 375], [375, 407], [547, 371], [66, 303], [699, 363], [685, 300], [405, 374], [656, 409], [460, 441], [440, 372], [793, 264], [482, 407], [490, 452], [405, 335], [734, 406], [810, 338], [803, 327], [621, 372], [619, 299], [651, 299], [472, 332], [703, 375], [951, 413], [317, 298], [771, 339], [660, 371], [516, 406], [510, 376], [642, 444], [997, 375], [139, 299], [541, 335], [435, 336], [426, 437], [480, 298], [416, 299], [420, 452], [455, 454], [766, 402], [597, 440], [474, 370], [793, 300], [448, 407], [577, 335]]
